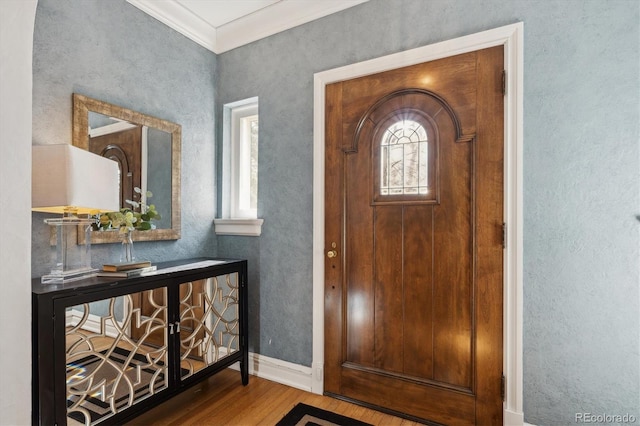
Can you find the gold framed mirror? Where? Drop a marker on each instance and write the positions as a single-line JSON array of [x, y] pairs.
[[148, 152]]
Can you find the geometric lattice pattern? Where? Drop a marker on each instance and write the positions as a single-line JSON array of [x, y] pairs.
[[107, 369], [209, 327], [117, 348]]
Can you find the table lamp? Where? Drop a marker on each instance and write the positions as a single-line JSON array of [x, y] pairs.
[[74, 183]]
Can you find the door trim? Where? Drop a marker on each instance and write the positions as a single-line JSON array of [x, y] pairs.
[[511, 37]]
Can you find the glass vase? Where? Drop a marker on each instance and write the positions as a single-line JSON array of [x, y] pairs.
[[127, 248]]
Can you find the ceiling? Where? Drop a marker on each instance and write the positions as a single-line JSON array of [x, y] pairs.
[[222, 25]]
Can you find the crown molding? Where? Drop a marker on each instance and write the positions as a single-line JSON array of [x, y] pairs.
[[278, 17], [180, 19], [275, 18]]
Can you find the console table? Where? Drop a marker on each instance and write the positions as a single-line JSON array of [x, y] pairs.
[[107, 349]]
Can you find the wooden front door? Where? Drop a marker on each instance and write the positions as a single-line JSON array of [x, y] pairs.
[[414, 240]]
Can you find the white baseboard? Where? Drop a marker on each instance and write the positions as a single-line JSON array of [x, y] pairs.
[[276, 370], [513, 418]]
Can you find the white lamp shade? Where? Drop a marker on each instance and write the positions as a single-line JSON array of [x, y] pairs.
[[64, 176]]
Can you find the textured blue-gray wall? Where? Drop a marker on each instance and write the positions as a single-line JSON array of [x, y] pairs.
[[581, 182], [112, 51]]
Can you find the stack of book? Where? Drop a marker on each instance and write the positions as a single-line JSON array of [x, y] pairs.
[[126, 269]]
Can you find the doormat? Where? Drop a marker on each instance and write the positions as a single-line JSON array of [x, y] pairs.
[[306, 415], [141, 375]]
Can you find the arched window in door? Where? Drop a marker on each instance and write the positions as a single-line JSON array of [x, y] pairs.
[[404, 148], [404, 159]]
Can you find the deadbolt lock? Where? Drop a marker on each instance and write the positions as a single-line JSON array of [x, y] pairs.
[[332, 253]]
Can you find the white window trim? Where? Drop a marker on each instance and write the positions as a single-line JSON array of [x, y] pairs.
[[235, 221], [246, 227]]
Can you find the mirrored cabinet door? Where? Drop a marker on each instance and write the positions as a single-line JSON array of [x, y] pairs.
[[209, 326], [116, 354]]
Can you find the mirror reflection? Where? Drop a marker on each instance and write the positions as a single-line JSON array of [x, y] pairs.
[[143, 155], [147, 150]]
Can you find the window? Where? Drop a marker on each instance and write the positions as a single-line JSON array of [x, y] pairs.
[[404, 159], [240, 170], [244, 180], [404, 155]]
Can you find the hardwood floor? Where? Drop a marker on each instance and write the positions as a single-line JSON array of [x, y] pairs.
[[222, 400]]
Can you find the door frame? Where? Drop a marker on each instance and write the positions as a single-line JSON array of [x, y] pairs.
[[511, 37]]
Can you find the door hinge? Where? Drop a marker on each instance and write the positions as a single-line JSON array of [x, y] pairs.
[[504, 82], [503, 385], [504, 235]]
